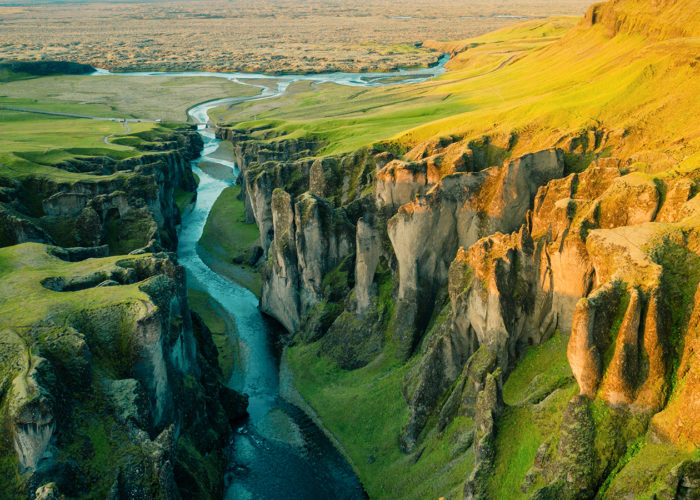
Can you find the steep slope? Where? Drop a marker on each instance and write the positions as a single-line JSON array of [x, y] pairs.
[[110, 387], [500, 301]]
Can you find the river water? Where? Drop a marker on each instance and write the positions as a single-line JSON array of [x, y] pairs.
[[278, 453]]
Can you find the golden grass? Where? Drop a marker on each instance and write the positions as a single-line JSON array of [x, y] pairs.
[[641, 92]]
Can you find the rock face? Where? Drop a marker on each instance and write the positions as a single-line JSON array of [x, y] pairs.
[[462, 259], [489, 405], [136, 367], [459, 210], [109, 386], [133, 210]]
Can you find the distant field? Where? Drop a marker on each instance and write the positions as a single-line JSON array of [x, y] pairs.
[[256, 35], [165, 98], [32, 143], [350, 117], [513, 83]]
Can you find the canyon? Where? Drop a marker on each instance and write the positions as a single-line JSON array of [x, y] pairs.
[[451, 260], [487, 282]]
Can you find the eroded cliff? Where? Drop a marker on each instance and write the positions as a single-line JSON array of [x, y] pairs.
[[110, 386], [459, 261]]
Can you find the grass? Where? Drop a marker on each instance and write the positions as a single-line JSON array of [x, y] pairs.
[[222, 326], [365, 410], [31, 144], [644, 468], [23, 300], [166, 98], [640, 87], [542, 376], [227, 235], [517, 440], [183, 199], [97, 444], [528, 378], [679, 278]]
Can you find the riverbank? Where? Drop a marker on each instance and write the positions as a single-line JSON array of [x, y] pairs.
[[290, 392], [229, 245]]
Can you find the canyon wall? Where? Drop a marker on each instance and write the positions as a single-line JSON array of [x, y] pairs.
[[459, 258], [109, 385]]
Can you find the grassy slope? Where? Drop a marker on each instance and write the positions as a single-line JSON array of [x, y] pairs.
[[167, 98], [23, 300], [30, 144], [524, 425], [222, 326], [227, 235], [643, 87], [646, 89], [365, 410]]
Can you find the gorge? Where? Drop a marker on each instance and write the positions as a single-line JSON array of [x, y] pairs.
[[476, 280]]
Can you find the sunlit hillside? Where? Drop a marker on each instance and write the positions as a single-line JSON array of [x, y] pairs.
[[638, 92]]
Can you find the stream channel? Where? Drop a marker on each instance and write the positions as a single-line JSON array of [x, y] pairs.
[[279, 452]]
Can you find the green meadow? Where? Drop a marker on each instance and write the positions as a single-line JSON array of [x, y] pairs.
[[114, 96], [537, 81]]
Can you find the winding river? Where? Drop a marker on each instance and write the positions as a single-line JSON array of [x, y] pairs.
[[279, 453]]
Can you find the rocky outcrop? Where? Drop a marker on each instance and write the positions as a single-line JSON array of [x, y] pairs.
[[132, 366], [310, 240], [467, 261], [489, 405], [128, 211], [281, 276], [108, 387], [463, 207], [573, 269]]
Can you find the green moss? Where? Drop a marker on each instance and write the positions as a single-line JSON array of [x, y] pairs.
[[11, 483], [384, 279], [110, 334], [577, 162], [130, 232], [619, 317], [643, 469], [201, 471], [183, 199], [538, 372], [223, 329], [679, 281], [98, 443], [337, 283], [227, 236], [615, 431]]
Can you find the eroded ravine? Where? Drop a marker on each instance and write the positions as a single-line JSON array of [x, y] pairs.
[[279, 452]]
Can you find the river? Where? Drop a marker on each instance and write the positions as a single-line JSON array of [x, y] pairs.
[[278, 453]]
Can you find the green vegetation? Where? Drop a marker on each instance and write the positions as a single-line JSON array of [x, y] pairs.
[[495, 89], [166, 98], [26, 300], [222, 326], [228, 242], [97, 444], [643, 469], [528, 382], [680, 278], [31, 144], [535, 393], [184, 199], [365, 410], [516, 444]]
